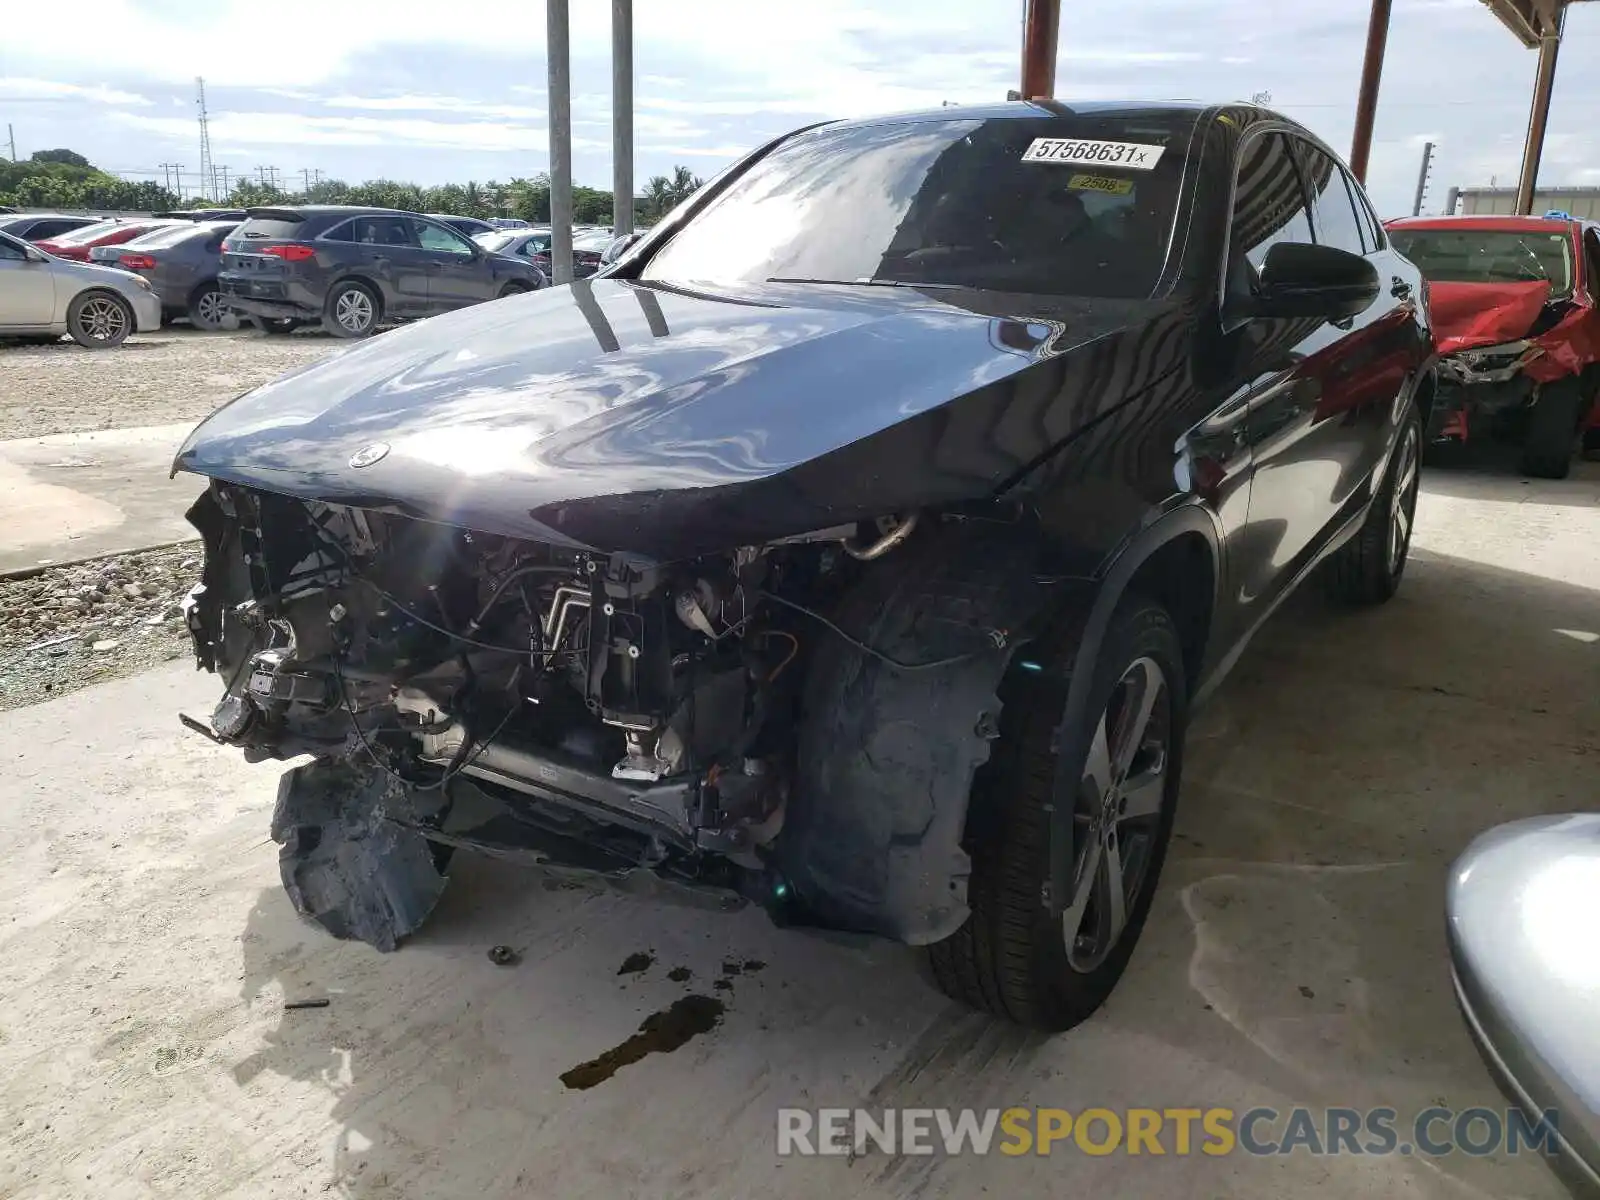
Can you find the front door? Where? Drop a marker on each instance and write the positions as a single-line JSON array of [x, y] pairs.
[[27, 288], [460, 276], [1307, 405]]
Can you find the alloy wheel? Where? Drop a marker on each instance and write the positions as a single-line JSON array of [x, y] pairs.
[[103, 319], [1403, 501], [1118, 812], [209, 308], [353, 310]]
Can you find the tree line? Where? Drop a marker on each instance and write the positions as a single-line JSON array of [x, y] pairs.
[[54, 179]]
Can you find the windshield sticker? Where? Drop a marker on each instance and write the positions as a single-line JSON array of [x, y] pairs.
[[1100, 183], [1130, 155]]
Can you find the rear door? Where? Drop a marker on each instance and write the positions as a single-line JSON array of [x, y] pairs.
[[27, 289], [385, 251]]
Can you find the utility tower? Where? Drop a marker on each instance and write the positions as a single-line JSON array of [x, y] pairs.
[[208, 181], [1422, 178]]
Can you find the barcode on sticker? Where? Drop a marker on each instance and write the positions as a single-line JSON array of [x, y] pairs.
[[1129, 155]]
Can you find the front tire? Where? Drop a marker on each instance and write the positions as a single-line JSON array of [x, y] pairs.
[[513, 289], [1367, 569], [99, 320], [1011, 957], [351, 311], [1554, 429]]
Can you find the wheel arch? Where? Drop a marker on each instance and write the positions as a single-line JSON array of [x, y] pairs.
[[99, 289], [200, 286], [873, 837]]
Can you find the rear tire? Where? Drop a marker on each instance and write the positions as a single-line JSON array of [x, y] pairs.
[[1011, 958], [351, 311], [99, 320], [1367, 569], [206, 308], [514, 289], [1554, 430]]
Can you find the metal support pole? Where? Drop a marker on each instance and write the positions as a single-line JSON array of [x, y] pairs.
[[1452, 201], [1371, 76], [1041, 26], [621, 117], [560, 100], [1539, 119], [1422, 178]]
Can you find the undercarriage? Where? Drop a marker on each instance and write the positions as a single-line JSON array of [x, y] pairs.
[[600, 713]]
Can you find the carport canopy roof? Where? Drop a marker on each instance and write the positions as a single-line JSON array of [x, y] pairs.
[[1530, 20]]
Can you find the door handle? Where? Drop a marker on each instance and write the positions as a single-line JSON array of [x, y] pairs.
[[1400, 289]]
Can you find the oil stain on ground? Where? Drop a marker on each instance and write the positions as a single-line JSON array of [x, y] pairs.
[[659, 1033], [636, 962]]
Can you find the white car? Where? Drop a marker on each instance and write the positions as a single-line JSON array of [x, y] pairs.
[[43, 296]]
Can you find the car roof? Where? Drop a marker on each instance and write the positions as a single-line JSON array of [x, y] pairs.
[[1488, 222], [34, 216], [1021, 109], [326, 210]]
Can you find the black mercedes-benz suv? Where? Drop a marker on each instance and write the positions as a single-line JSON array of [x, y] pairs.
[[856, 545]]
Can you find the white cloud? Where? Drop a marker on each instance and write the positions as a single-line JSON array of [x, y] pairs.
[[24, 91], [235, 132], [451, 104]]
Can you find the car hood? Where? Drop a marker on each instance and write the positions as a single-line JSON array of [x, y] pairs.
[[1468, 315], [530, 415]]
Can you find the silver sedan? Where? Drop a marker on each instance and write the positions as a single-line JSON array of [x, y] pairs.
[[43, 296]]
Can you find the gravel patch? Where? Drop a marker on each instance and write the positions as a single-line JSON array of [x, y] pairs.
[[151, 379], [71, 626]]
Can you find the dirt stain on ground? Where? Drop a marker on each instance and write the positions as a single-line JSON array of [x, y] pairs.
[[636, 962], [752, 965], [679, 974], [659, 1033]]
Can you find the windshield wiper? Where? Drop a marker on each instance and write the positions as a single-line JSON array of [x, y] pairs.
[[905, 283]]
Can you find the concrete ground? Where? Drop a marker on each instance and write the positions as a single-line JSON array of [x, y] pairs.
[[73, 495], [1294, 956]]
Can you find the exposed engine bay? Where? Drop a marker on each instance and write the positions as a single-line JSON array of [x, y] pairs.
[[588, 711]]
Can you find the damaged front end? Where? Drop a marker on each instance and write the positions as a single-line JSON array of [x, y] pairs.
[[590, 712]]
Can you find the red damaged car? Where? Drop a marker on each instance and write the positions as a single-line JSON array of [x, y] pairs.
[[1516, 323]]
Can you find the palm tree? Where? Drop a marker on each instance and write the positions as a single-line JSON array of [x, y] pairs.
[[685, 183], [658, 196]]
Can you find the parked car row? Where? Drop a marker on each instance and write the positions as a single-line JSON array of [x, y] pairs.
[[348, 268]]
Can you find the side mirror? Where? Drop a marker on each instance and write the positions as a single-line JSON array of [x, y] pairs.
[[36, 256], [618, 247], [1302, 280]]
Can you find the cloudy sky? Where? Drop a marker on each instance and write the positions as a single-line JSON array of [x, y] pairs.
[[434, 93]]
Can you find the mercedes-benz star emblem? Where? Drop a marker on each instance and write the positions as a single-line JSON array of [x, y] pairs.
[[368, 455]]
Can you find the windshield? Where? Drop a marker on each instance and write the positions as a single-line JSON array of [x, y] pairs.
[[1489, 256], [495, 242], [1079, 205]]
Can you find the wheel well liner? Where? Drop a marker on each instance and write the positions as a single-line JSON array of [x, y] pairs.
[[873, 836]]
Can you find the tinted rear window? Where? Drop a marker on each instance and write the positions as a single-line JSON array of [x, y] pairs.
[[167, 235], [1081, 205], [273, 229], [86, 233]]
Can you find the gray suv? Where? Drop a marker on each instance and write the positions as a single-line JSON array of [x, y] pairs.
[[354, 268]]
